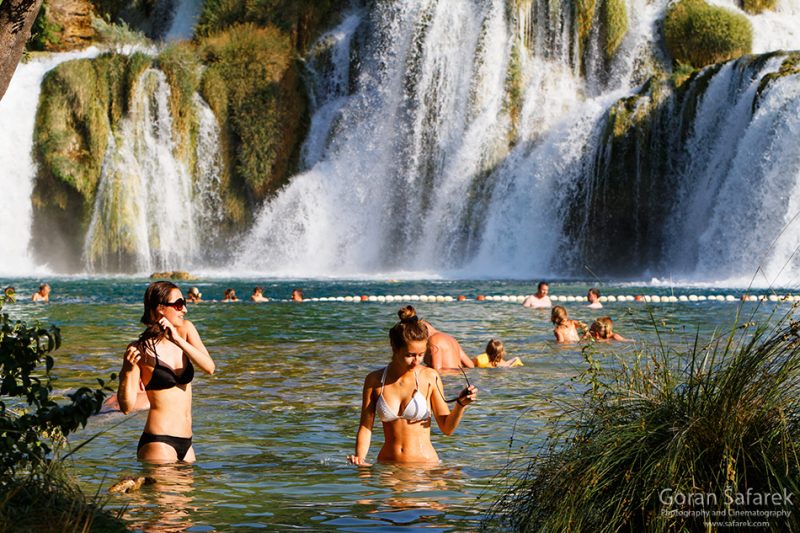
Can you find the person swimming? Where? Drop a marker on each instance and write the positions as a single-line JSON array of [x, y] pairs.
[[602, 329], [566, 330], [405, 395], [493, 356], [163, 359]]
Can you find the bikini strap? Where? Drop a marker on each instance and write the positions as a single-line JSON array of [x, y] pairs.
[[383, 379], [416, 380]]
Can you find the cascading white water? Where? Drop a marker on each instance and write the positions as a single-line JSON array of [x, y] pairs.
[[407, 181], [741, 192], [208, 209], [17, 168], [143, 217]]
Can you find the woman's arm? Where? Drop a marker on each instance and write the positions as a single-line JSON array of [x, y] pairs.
[[129, 378], [364, 435], [192, 346], [448, 420]]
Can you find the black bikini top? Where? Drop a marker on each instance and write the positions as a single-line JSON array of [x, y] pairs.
[[165, 378]]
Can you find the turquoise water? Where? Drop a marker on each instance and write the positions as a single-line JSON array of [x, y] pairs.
[[274, 424]]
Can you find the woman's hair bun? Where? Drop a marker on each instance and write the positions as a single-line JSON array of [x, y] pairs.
[[408, 315]]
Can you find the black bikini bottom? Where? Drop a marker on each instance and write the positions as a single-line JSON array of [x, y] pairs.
[[181, 444]]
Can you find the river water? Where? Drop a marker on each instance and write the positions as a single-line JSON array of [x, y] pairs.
[[273, 425]]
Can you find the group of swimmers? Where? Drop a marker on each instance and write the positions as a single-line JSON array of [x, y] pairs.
[[566, 329], [158, 369], [195, 296]]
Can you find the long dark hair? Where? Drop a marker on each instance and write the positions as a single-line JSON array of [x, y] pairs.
[[410, 328], [157, 293]]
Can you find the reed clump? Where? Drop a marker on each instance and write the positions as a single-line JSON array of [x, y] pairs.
[[672, 442], [700, 34]]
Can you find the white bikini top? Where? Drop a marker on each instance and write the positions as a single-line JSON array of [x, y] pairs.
[[415, 411]]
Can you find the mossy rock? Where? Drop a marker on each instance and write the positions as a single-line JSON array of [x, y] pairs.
[[614, 26], [180, 275], [584, 19], [754, 7], [699, 34]]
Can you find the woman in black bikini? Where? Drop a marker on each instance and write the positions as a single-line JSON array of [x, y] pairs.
[[163, 358]]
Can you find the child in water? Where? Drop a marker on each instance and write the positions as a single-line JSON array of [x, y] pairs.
[[566, 330], [602, 329], [493, 357]]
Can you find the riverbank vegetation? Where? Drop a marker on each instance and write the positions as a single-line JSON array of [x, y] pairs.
[[36, 491], [721, 420]]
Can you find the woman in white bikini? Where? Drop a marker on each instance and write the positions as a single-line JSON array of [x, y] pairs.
[[405, 395]]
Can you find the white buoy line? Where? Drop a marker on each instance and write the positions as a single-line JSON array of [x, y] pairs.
[[641, 298]]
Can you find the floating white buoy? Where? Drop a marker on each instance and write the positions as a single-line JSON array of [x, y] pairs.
[[571, 298], [372, 298], [702, 298], [313, 299], [773, 298], [504, 298], [405, 298], [683, 298], [381, 298], [439, 298], [604, 299], [730, 298], [612, 298], [448, 298], [673, 299], [348, 298], [692, 297], [655, 298]]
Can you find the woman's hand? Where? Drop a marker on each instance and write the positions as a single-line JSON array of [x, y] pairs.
[[467, 396], [131, 359], [170, 330], [358, 461]]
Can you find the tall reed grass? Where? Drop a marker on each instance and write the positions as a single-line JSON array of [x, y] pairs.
[[672, 441]]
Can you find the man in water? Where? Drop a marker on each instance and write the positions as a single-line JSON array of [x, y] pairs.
[[444, 351], [539, 300], [43, 295], [594, 298]]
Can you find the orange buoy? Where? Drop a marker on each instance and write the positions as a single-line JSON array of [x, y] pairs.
[[364, 297], [481, 297], [639, 298], [461, 298]]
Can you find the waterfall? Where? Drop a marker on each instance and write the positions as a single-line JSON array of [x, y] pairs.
[[147, 210], [403, 169], [17, 167]]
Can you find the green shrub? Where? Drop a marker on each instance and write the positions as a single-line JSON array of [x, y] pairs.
[[614, 17], [699, 34], [722, 419], [758, 6], [584, 17], [252, 83], [36, 492], [45, 32]]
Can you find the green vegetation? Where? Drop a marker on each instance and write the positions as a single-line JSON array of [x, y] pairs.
[[758, 6], [584, 15], [252, 83], [699, 34], [720, 419], [36, 493], [301, 20], [789, 67], [45, 32], [181, 66], [614, 24], [80, 105]]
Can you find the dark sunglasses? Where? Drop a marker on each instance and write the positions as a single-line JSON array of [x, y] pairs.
[[178, 304], [468, 386]]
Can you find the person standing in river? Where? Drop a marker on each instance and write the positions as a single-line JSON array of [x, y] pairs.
[[163, 358], [405, 395]]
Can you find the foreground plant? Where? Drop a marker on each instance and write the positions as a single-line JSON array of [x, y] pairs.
[[696, 441], [36, 491]]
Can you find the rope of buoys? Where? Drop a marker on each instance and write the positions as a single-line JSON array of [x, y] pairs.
[[506, 298]]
